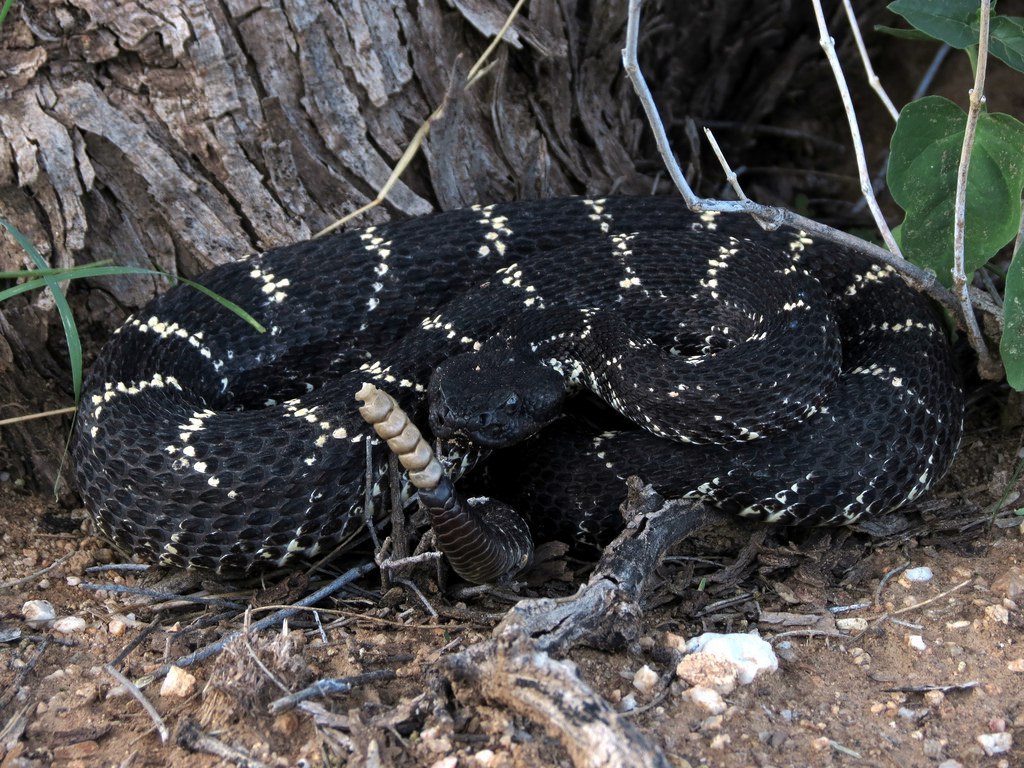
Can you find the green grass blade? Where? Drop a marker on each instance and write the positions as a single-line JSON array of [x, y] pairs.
[[4, 10], [67, 318]]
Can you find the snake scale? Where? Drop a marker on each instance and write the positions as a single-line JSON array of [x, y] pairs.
[[782, 379]]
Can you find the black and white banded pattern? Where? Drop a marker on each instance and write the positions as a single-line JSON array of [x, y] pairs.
[[784, 380]]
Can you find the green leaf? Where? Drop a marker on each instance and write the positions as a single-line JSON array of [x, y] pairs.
[[1011, 345], [1006, 40], [925, 157], [954, 22]]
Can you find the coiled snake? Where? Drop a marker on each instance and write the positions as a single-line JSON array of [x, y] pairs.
[[784, 380]]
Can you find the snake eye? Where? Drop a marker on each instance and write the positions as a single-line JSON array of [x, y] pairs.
[[512, 403]]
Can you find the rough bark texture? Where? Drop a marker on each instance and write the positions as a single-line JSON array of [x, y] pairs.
[[182, 133]]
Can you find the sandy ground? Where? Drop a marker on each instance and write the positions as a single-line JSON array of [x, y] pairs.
[[911, 673]]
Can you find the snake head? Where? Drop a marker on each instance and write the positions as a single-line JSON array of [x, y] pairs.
[[493, 398]]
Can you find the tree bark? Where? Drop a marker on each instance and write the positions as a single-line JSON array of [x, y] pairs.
[[180, 134]]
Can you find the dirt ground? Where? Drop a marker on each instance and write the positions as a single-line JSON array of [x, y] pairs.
[[875, 669]]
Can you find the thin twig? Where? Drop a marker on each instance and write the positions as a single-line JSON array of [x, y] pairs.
[[134, 690], [275, 618], [14, 686], [885, 579], [869, 71], [930, 600], [922, 280], [330, 687], [987, 365], [43, 415], [37, 574], [421, 133], [868, 192], [730, 174], [159, 595]]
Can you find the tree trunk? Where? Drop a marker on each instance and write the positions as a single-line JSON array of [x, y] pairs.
[[180, 134]]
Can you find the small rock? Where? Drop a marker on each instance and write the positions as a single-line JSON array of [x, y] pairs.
[[852, 624], [178, 683], [705, 670], [933, 748], [73, 581], [485, 757], [675, 642], [1010, 584], [995, 743], [645, 679], [435, 740], [627, 703], [917, 642], [1017, 665], [749, 653], [707, 699], [934, 698], [69, 625], [950, 764], [721, 741], [997, 613], [287, 724], [75, 751], [38, 613], [446, 762], [919, 574]]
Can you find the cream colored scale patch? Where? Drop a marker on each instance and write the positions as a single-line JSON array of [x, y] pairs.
[[381, 248], [113, 390]]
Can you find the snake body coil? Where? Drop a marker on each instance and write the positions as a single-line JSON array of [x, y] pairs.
[[785, 380]]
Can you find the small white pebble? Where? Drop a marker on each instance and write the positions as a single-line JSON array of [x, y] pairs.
[[721, 741], [708, 699], [917, 642], [38, 613], [627, 703], [178, 683], [73, 581], [485, 757], [116, 627], [995, 743], [749, 653], [645, 679], [997, 613], [1017, 665], [852, 624], [68, 625], [921, 573]]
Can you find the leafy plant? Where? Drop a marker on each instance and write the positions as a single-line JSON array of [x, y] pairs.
[[924, 160]]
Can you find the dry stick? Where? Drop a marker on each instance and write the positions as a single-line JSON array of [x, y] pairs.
[[919, 278], [330, 687], [214, 648], [515, 667], [424, 129], [43, 415], [33, 576], [867, 191], [876, 84], [987, 365], [191, 737], [133, 689]]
